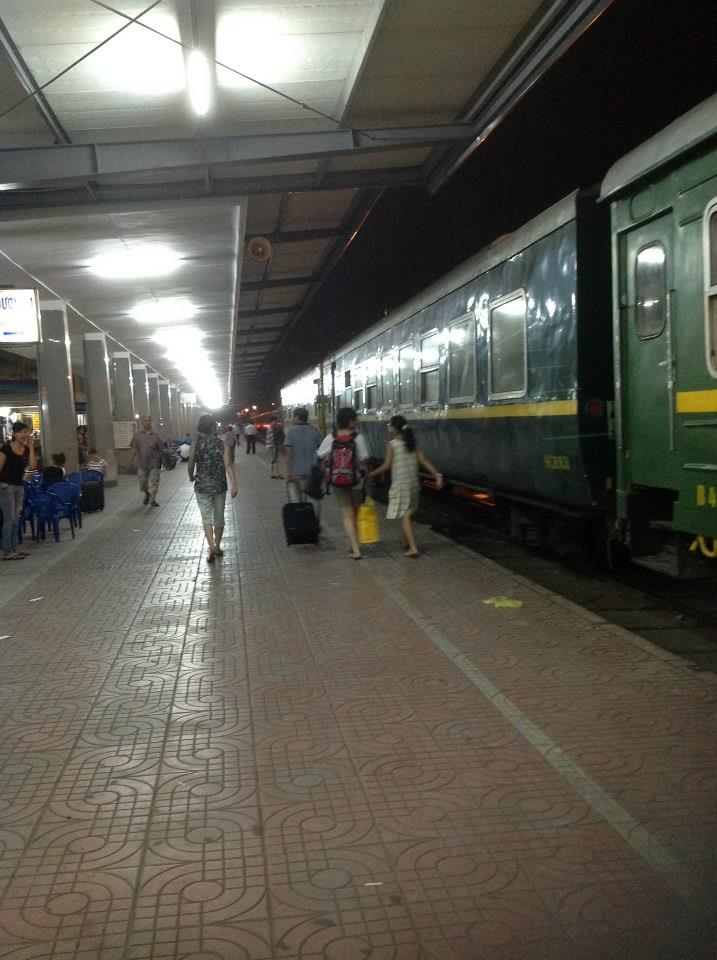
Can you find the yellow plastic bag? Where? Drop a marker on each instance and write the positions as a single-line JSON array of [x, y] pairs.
[[367, 522]]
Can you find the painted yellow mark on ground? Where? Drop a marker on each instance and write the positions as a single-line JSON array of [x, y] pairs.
[[505, 602]]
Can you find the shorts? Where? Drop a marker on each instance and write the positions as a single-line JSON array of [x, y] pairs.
[[211, 507], [348, 496]]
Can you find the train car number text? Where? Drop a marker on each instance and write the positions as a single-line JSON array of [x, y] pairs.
[[706, 496], [553, 462]]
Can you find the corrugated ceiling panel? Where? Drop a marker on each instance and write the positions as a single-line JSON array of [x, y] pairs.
[[326, 208]]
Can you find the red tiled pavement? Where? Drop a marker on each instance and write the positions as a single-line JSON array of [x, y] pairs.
[[291, 755]]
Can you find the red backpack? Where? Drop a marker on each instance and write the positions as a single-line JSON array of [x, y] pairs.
[[341, 467]]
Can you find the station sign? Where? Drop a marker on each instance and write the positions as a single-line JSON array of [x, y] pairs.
[[19, 316]]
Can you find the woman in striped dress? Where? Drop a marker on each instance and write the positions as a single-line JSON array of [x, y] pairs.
[[403, 457]]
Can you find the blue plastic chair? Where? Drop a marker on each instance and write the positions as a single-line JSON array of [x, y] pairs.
[[47, 509], [67, 495], [27, 514]]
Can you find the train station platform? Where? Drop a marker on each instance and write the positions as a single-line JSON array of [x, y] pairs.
[[288, 754]]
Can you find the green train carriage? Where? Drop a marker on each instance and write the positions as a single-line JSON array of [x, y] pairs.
[[663, 199], [504, 367], [531, 420]]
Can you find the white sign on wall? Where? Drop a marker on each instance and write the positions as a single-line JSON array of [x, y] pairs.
[[124, 431], [19, 316]]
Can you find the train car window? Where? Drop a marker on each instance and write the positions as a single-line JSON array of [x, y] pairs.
[[405, 376], [650, 291], [508, 369], [371, 396], [711, 285], [388, 366], [347, 397], [430, 384], [358, 399], [347, 378], [462, 359]]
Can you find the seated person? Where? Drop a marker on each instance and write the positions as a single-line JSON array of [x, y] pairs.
[[95, 462], [54, 473]]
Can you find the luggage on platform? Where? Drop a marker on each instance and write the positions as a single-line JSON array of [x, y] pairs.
[[93, 496], [169, 459], [300, 523]]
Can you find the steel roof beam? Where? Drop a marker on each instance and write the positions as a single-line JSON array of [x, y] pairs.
[[249, 286], [266, 312], [297, 236], [31, 165], [88, 195], [30, 86], [543, 43]]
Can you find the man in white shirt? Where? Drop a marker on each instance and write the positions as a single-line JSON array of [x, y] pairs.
[[346, 453], [250, 432]]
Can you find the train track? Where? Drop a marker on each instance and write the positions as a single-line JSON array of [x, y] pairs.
[[677, 615]]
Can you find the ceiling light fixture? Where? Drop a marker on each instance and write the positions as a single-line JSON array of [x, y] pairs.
[[166, 310], [129, 264], [199, 82]]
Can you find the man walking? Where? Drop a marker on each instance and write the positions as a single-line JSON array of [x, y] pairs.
[[302, 442], [250, 433], [275, 446], [147, 446]]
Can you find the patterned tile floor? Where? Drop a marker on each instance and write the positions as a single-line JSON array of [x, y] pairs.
[[291, 755]]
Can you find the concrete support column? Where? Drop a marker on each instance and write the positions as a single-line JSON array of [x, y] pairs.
[[122, 386], [99, 401], [175, 414], [165, 423], [124, 410], [141, 389], [154, 408], [54, 378]]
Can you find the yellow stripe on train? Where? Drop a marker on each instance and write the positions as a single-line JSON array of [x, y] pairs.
[[546, 408], [697, 401]]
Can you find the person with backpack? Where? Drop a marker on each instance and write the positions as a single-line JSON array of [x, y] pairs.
[[403, 457], [346, 454], [275, 446], [210, 461]]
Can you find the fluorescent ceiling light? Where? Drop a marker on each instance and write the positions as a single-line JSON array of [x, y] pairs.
[[166, 310], [199, 82], [131, 263], [256, 44], [138, 61], [178, 338]]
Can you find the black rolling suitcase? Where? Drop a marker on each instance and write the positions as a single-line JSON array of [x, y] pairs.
[[300, 523], [93, 496]]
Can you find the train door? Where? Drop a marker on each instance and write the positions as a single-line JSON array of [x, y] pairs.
[[648, 352]]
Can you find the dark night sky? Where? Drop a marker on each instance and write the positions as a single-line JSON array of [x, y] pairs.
[[643, 63]]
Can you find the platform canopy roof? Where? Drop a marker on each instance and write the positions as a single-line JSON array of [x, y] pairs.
[[145, 145]]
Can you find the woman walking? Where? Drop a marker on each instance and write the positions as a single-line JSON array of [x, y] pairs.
[[210, 460], [403, 457], [16, 457]]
